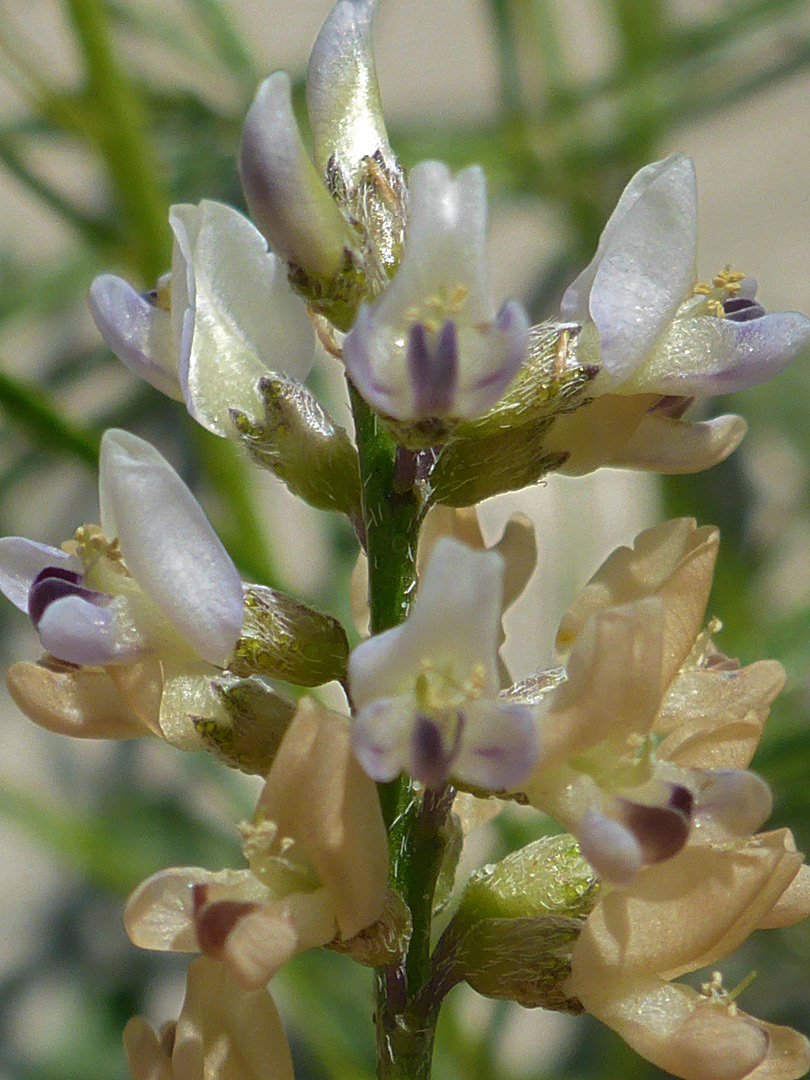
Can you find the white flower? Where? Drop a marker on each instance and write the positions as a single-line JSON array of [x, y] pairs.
[[426, 692], [224, 317], [154, 581], [649, 323], [433, 344]]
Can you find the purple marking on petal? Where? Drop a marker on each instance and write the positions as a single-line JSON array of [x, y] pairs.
[[660, 831], [431, 762], [433, 372], [53, 583], [741, 309], [512, 322]]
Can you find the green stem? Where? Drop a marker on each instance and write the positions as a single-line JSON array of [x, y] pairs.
[[123, 138], [392, 514]]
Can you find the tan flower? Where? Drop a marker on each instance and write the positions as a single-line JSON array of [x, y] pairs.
[[646, 730], [318, 864], [678, 917], [223, 1033]]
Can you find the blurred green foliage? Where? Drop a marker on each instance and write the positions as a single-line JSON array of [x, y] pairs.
[[563, 140]]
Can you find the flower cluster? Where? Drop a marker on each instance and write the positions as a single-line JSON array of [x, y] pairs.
[[637, 742]]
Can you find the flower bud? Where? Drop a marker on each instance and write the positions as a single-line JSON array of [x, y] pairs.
[[298, 441], [293, 209], [352, 152], [285, 639], [518, 921]]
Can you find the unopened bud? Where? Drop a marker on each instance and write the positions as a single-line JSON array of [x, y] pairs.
[[292, 208], [351, 145], [515, 929], [285, 639], [300, 442]]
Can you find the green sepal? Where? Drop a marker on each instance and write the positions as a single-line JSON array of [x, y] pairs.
[[285, 639], [248, 724], [385, 941], [452, 840], [503, 450], [338, 297], [299, 441], [517, 923]]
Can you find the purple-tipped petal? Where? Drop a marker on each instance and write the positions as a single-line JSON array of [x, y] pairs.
[[433, 370], [22, 560], [660, 831], [82, 632], [139, 333], [54, 583], [287, 200], [432, 754], [705, 356], [743, 309]]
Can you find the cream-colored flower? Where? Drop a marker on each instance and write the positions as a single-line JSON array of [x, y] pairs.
[[223, 1033], [645, 734], [318, 864], [679, 917]]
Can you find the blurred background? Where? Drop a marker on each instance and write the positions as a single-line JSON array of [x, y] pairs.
[[110, 110]]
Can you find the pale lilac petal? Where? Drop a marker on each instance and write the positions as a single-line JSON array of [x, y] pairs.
[[21, 560], [169, 546], [445, 244], [244, 319], [499, 745], [454, 623], [81, 632], [138, 332], [609, 847], [664, 445], [381, 736], [343, 99], [643, 268], [287, 200], [733, 800], [702, 356], [574, 304]]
